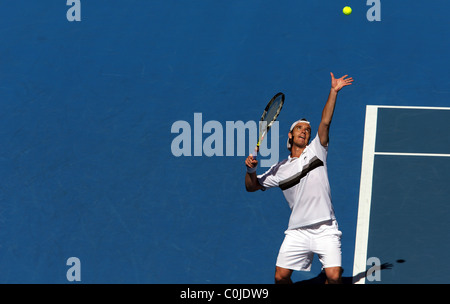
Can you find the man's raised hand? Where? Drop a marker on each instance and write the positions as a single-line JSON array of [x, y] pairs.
[[338, 84]]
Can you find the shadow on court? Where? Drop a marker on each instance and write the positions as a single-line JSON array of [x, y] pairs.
[[320, 279]]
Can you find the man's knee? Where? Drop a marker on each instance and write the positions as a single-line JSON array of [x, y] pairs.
[[283, 276], [334, 275]]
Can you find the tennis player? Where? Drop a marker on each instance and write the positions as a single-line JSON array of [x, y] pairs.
[[303, 178]]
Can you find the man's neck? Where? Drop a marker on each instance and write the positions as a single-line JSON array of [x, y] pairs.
[[297, 151]]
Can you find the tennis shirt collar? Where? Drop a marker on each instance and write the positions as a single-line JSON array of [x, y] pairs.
[[290, 159]]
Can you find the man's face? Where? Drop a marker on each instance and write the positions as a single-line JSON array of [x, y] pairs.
[[300, 134]]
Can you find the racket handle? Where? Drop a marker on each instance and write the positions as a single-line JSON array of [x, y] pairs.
[[255, 152]]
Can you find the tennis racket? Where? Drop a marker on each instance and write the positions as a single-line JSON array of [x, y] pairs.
[[269, 116]]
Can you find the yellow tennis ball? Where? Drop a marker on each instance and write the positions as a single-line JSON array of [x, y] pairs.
[[347, 10]]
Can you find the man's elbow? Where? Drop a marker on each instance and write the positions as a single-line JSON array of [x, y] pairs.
[[325, 124], [252, 187]]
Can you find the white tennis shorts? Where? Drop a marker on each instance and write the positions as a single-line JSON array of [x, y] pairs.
[[300, 245]]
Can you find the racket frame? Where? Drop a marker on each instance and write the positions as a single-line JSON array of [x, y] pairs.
[[269, 124]]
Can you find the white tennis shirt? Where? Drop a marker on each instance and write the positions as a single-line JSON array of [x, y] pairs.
[[305, 185]]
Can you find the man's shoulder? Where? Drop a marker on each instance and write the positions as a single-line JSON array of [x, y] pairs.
[[283, 162], [316, 146], [275, 167]]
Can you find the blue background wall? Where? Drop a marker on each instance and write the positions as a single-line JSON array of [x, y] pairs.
[[86, 167]]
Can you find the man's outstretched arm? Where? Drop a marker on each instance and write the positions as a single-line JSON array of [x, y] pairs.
[[328, 110]]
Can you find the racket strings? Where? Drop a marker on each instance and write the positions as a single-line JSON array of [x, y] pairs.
[[273, 111]]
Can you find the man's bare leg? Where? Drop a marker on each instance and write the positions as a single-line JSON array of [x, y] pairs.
[[283, 275], [334, 275]]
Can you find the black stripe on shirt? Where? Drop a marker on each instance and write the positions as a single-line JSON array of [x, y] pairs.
[[294, 180]]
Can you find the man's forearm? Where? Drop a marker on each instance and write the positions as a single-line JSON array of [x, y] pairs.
[[328, 110], [327, 115], [251, 182]]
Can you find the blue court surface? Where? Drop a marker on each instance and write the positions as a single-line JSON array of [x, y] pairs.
[[115, 148], [409, 221], [403, 206]]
